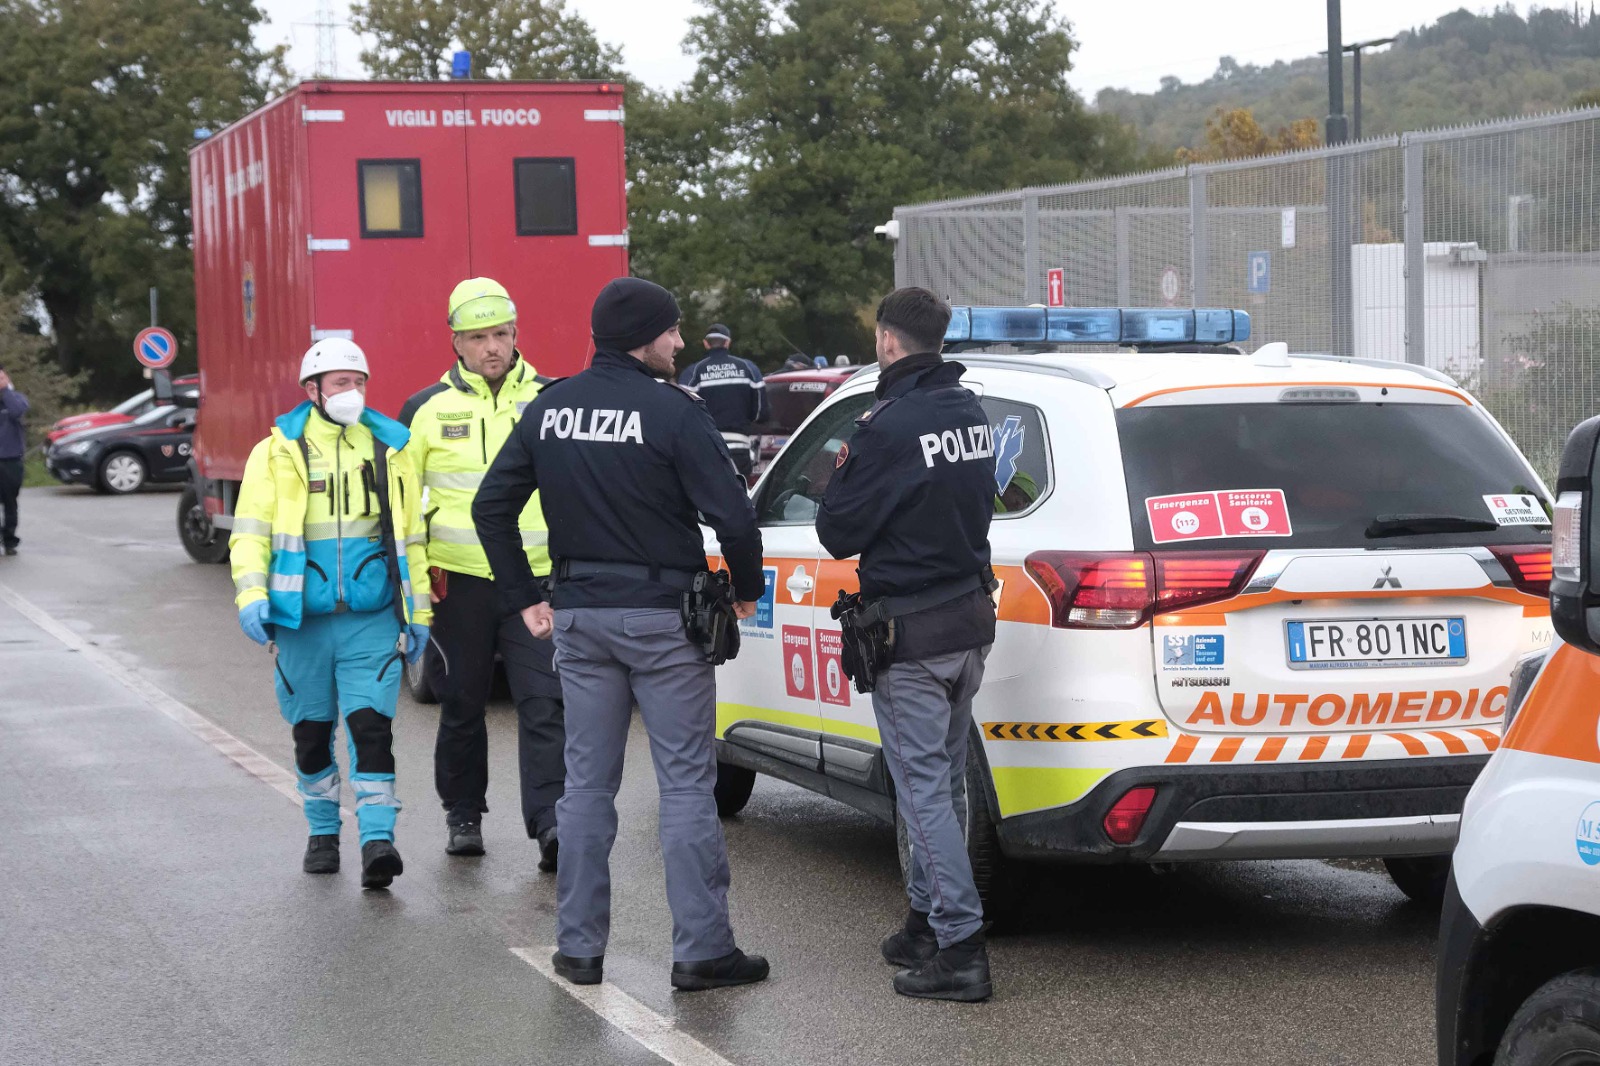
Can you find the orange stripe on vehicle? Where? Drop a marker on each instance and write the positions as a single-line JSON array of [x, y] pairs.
[[1183, 749], [1227, 749], [1301, 384], [1412, 745], [1538, 610], [1271, 750], [1315, 746], [1357, 746], [1452, 743], [1561, 713], [1489, 739]]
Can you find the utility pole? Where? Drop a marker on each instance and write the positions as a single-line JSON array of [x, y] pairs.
[[1340, 210], [327, 41], [1355, 51]]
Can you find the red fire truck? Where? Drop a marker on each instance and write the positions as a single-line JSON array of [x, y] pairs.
[[350, 209]]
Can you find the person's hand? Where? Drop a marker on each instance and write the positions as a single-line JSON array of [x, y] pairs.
[[743, 609], [416, 641], [433, 597], [540, 620], [253, 620]]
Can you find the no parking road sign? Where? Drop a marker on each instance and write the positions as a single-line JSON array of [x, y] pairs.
[[155, 348]]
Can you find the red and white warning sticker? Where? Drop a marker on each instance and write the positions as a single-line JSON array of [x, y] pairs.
[[1214, 515], [797, 668]]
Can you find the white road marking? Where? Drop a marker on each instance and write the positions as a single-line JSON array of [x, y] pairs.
[[645, 1026], [654, 1032], [249, 759]]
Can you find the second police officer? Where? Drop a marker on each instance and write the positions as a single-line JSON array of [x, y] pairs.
[[623, 464], [734, 394], [913, 492], [458, 425]]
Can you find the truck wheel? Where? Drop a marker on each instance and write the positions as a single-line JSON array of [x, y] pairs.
[[998, 880], [1559, 1025], [121, 473], [734, 785], [1422, 879], [203, 541], [416, 678]]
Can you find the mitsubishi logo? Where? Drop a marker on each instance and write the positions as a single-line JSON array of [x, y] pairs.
[[1388, 580]]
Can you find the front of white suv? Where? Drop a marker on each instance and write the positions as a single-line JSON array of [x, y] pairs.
[[1251, 607]]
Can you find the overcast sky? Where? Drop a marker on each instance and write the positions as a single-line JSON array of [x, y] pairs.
[[1123, 44]]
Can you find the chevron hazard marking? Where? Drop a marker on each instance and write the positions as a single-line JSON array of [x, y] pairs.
[[1069, 731]]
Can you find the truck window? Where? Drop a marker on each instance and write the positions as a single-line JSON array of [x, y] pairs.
[[547, 197], [391, 197]]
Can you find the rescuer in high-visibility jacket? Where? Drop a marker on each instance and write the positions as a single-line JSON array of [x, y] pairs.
[[340, 596], [457, 427]]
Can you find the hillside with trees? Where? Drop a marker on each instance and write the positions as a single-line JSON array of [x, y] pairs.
[[1464, 68]]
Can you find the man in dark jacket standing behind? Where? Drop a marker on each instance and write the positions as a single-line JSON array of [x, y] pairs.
[[13, 443]]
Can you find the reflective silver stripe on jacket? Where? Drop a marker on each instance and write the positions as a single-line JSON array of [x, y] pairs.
[[416, 538], [253, 580], [286, 583], [421, 603], [252, 527], [288, 542], [438, 479], [531, 538], [351, 527]]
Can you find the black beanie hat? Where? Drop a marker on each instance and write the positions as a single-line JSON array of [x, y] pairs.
[[630, 313]]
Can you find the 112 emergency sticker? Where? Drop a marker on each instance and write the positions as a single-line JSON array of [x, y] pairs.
[[1223, 513]]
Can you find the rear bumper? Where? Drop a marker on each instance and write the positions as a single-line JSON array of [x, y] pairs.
[[1389, 808]]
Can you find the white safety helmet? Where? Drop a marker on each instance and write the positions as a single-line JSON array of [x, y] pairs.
[[332, 353]]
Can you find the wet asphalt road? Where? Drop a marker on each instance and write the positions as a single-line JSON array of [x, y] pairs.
[[152, 909]]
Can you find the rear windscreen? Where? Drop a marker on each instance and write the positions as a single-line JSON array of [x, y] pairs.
[[791, 402], [1336, 475]]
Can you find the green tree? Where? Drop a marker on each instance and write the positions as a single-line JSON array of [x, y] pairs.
[[808, 121], [26, 356], [529, 39], [98, 108]]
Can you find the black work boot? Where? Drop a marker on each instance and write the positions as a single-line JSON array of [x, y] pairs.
[[734, 968], [380, 863], [549, 848], [959, 972], [322, 854], [464, 838], [579, 971], [911, 945]]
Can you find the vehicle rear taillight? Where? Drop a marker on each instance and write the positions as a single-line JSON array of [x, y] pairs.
[[1188, 579], [1529, 566], [1126, 817], [1121, 590], [1095, 590]]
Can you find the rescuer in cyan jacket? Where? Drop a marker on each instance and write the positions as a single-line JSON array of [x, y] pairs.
[[457, 427], [331, 571]]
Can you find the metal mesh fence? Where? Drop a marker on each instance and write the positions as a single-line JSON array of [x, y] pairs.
[[1475, 251]]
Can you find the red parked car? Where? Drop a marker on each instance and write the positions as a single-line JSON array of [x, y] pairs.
[[138, 404], [791, 397]]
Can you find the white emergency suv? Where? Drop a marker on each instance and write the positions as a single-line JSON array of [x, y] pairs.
[[1519, 947], [1252, 605]]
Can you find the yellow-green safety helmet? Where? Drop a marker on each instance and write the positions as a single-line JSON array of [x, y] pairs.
[[479, 303]]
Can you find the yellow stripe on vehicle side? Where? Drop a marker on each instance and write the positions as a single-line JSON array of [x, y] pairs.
[[729, 713], [1021, 789]]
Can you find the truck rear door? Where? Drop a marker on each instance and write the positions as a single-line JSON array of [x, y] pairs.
[[387, 183]]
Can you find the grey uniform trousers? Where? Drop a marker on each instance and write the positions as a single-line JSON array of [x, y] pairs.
[[609, 658], [924, 712]]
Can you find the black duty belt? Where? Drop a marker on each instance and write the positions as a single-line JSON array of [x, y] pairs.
[[932, 596], [682, 580]]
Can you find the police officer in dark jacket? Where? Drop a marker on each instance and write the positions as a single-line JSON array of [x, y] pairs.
[[623, 463], [913, 493], [734, 394]]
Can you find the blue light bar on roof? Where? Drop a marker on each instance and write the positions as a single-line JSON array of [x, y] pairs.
[[1096, 325]]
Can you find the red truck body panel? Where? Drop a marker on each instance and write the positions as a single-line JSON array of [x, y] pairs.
[[284, 253]]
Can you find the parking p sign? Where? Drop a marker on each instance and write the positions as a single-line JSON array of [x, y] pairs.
[[1258, 272], [155, 348]]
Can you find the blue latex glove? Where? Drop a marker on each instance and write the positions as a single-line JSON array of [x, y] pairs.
[[416, 641], [253, 620]]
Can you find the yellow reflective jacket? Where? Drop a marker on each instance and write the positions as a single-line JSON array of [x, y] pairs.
[[308, 541], [457, 428]]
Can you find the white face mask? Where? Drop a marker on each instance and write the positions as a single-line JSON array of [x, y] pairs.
[[345, 407]]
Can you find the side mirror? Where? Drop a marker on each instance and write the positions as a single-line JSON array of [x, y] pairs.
[[161, 387], [1574, 548]]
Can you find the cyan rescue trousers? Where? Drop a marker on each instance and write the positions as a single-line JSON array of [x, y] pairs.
[[609, 658], [467, 632], [342, 666], [924, 712]]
